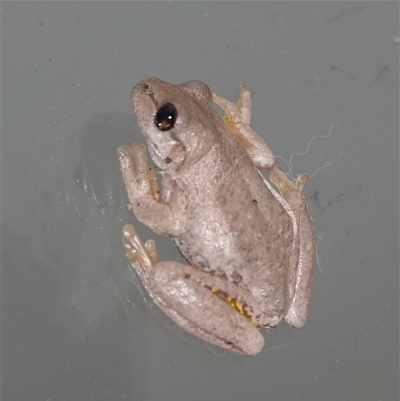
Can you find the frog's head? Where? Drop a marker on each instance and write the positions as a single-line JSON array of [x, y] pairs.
[[176, 121]]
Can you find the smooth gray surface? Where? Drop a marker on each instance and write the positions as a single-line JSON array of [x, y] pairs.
[[75, 325]]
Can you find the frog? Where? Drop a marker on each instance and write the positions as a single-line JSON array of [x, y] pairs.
[[248, 240]]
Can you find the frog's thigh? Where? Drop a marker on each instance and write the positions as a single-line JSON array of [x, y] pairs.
[[199, 311], [298, 311]]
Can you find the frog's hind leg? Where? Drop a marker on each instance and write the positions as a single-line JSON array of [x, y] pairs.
[[301, 281], [298, 311], [197, 301]]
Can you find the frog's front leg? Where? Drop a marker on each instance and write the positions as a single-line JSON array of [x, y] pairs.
[[167, 217], [205, 305], [237, 119]]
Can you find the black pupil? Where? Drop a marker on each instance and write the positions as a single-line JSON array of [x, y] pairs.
[[165, 117]]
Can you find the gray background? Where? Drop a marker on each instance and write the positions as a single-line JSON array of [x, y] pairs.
[[76, 325]]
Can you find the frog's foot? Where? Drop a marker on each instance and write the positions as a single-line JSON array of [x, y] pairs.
[[142, 255], [239, 112], [284, 183], [236, 114], [140, 180]]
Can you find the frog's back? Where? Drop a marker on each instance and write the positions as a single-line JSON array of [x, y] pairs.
[[236, 226]]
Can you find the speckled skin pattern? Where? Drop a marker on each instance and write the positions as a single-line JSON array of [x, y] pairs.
[[250, 249]]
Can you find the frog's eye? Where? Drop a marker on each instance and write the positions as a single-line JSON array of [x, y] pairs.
[[166, 117]]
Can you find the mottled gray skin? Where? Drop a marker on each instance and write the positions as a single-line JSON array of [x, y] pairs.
[[241, 237]]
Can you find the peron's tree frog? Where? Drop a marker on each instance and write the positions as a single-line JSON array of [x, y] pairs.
[[250, 247]]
